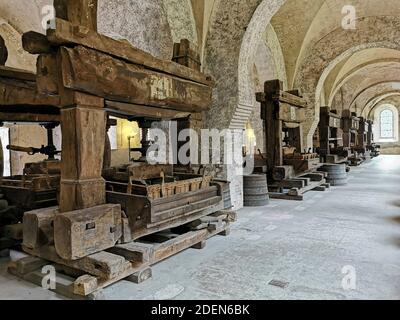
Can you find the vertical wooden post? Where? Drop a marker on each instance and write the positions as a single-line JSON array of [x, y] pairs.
[[83, 126], [269, 112], [186, 53]]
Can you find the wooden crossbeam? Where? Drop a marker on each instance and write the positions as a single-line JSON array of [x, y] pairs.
[[68, 34]]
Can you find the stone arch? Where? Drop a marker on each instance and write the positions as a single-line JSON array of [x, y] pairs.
[[340, 82], [375, 100], [340, 44], [239, 25], [371, 86], [181, 20]]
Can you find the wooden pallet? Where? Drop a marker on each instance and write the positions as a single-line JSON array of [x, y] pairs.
[[87, 277], [295, 188]]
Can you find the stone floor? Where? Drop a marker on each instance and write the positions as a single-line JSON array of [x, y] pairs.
[[308, 245]]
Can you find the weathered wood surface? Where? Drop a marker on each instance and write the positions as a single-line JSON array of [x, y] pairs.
[[99, 74], [18, 87], [81, 183], [32, 117], [17, 74], [38, 227], [47, 74], [36, 43], [78, 234], [103, 264], [187, 54], [68, 34], [14, 94], [120, 262], [78, 12], [133, 111]]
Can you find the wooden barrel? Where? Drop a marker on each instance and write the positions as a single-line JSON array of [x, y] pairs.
[[337, 174], [255, 190]]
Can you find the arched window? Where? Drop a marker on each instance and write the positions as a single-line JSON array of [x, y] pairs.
[[386, 119]]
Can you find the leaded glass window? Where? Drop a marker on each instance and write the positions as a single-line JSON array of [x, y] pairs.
[[387, 124]]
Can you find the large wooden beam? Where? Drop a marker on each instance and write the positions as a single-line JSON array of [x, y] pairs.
[[69, 34], [99, 74], [17, 74], [28, 117], [19, 93], [132, 111]]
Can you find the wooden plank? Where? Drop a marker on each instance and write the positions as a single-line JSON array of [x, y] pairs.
[[28, 118], [291, 99], [103, 264], [135, 252], [285, 196], [69, 34], [29, 264], [135, 110], [99, 74], [18, 74], [15, 94]]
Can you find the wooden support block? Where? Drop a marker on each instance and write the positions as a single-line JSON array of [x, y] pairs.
[[135, 252], [47, 74], [29, 264], [171, 247], [283, 173], [38, 227], [140, 276], [80, 233], [292, 183], [126, 231], [319, 188], [314, 176], [200, 245], [80, 194], [36, 43], [85, 285]]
